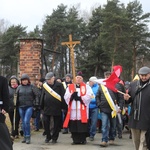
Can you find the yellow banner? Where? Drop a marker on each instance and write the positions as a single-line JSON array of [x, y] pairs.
[[51, 92], [110, 101], [64, 85]]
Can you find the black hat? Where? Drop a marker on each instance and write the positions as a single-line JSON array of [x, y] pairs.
[[144, 70], [58, 78]]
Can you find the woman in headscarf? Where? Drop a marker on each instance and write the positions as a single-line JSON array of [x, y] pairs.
[[13, 109]]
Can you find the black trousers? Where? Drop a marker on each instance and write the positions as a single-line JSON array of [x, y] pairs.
[[5, 140], [15, 126], [56, 126]]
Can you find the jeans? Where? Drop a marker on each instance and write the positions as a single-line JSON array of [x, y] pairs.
[[93, 117], [25, 114], [108, 127], [37, 120]]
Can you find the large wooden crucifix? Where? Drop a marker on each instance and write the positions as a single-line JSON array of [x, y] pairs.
[[71, 44]]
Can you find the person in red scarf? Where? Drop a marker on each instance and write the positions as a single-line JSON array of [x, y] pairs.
[[78, 97]]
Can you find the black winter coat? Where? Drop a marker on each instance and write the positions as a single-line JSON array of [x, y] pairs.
[[4, 97], [5, 140], [144, 118], [102, 103], [51, 105]]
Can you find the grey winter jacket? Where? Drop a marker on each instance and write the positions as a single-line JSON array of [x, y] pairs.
[[27, 96]]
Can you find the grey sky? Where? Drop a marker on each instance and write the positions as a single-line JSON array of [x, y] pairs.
[[32, 12]]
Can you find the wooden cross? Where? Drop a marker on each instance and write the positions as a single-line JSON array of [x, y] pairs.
[[71, 44]]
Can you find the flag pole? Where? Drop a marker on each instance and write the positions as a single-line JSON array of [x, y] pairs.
[[121, 92]]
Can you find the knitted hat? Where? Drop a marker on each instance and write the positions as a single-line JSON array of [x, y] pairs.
[[92, 79], [80, 74], [68, 75]]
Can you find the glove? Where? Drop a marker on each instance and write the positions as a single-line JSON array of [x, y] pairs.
[[73, 96], [78, 98]]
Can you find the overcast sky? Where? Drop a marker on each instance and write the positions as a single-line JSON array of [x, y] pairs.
[[30, 13]]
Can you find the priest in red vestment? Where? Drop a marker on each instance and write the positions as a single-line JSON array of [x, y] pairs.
[[78, 97]]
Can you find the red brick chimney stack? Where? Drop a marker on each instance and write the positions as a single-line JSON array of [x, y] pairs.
[[30, 57]]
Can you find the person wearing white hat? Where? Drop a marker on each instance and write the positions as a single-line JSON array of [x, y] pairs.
[[93, 109]]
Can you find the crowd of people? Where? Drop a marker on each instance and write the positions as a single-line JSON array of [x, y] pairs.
[[75, 107]]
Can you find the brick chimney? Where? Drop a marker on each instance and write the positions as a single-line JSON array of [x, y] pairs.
[[30, 57]]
